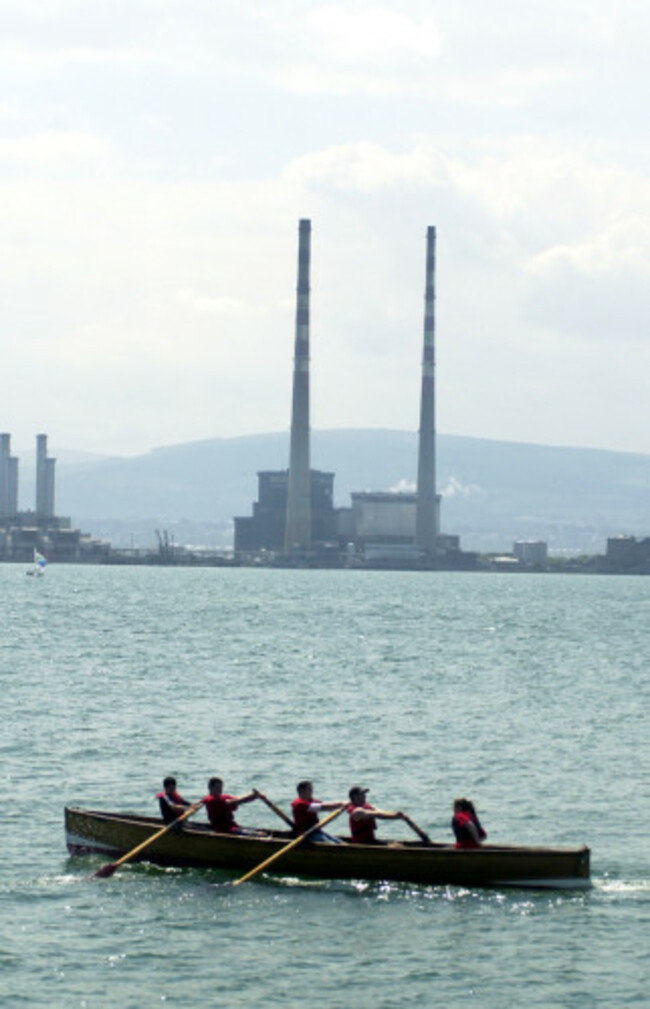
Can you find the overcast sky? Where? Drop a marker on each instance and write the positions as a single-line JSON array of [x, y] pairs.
[[156, 155]]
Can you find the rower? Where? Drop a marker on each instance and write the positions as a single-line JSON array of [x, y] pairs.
[[305, 809], [467, 827], [220, 808], [172, 804], [363, 817]]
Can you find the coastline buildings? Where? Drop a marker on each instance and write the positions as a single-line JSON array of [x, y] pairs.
[[8, 479], [23, 532]]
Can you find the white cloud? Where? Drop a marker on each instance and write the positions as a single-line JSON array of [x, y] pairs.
[[224, 306], [156, 157], [54, 151], [372, 32], [364, 167]]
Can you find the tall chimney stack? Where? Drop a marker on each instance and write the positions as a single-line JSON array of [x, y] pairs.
[[5, 454], [426, 520], [298, 526], [44, 481]]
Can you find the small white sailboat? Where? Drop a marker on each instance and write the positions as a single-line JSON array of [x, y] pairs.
[[39, 565]]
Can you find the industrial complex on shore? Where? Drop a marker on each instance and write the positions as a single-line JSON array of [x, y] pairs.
[[294, 522]]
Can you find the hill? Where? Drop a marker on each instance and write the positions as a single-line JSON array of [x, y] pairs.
[[493, 492]]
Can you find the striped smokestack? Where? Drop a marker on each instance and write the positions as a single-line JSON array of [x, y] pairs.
[[426, 522], [298, 526]]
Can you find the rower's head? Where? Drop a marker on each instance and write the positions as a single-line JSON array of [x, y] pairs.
[[358, 795], [305, 789], [169, 784], [215, 786]]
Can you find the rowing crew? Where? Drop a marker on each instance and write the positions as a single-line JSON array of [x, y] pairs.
[[221, 806]]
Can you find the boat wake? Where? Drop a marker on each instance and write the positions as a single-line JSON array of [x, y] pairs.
[[622, 886]]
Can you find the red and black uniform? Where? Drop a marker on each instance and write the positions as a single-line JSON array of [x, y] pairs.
[[464, 837], [362, 829], [220, 810], [166, 801], [303, 817]]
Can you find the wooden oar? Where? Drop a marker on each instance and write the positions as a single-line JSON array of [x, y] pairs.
[[418, 831], [109, 869], [288, 847], [276, 809]]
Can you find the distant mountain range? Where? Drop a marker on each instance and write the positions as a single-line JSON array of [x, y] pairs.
[[493, 492]]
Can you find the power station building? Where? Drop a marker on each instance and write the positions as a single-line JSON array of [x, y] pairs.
[[294, 515], [394, 528], [23, 532], [266, 528]]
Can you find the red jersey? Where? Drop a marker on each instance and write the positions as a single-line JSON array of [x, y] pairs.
[[220, 810], [303, 817], [464, 838], [363, 829]]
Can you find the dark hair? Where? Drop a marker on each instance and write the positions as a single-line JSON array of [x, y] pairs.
[[169, 782], [215, 781], [465, 805], [302, 785]]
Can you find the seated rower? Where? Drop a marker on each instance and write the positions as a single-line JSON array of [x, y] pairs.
[[364, 816], [466, 825], [220, 808], [305, 809], [171, 803]]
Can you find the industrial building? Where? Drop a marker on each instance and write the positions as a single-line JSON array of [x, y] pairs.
[[23, 532], [265, 530], [294, 515], [531, 552], [627, 555]]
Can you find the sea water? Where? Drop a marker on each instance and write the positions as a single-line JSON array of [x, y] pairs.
[[528, 693]]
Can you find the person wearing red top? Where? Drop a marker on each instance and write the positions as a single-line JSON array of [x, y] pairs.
[[171, 803], [364, 816], [466, 825], [305, 809], [221, 807]]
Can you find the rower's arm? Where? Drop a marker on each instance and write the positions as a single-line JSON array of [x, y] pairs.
[[240, 800], [379, 814]]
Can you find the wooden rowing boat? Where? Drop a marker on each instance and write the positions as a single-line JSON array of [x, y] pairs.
[[114, 834]]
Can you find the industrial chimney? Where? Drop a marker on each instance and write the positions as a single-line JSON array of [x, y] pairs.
[[298, 525], [426, 520], [44, 481], [5, 483]]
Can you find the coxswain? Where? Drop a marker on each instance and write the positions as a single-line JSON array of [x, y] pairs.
[[221, 807], [363, 817], [467, 827], [171, 803], [305, 809]]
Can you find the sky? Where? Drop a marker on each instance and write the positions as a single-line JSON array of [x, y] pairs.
[[157, 155]]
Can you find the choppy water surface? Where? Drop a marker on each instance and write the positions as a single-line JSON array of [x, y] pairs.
[[529, 693]]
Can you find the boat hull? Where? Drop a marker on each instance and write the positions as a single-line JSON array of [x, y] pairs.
[[114, 834]]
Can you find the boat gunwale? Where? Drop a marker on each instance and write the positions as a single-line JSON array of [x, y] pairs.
[[271, 835]]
